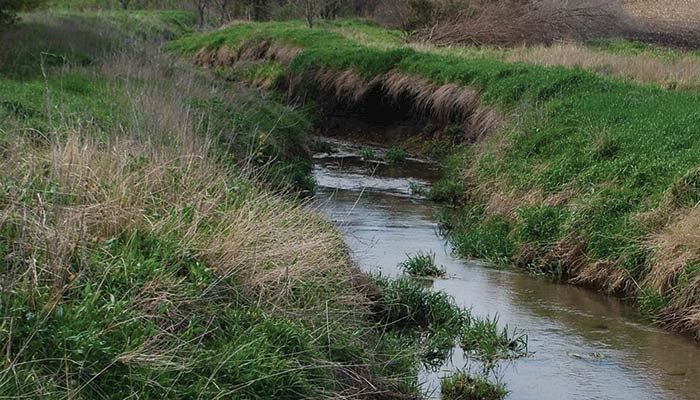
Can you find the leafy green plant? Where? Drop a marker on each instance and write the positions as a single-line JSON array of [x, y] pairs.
[[422, 264]]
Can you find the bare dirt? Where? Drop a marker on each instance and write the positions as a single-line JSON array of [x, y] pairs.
[[674, 23]]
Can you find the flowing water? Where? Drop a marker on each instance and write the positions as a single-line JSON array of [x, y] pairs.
[[584, 345]]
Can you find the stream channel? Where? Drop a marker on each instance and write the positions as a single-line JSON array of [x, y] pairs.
[[583, 345]]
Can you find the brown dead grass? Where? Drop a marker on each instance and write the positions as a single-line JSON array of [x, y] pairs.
[[250, 51], [159, 161], [442, 103], [676, 247], [683, 72]]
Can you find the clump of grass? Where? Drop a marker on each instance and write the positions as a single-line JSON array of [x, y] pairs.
[[484, 340], [405, 303], [418, 189], [423, 265], [321, 146], [368, 154], [395, 155], [462, 386]]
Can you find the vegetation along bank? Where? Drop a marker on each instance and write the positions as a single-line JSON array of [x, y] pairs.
[[587, 176], [152, 244]]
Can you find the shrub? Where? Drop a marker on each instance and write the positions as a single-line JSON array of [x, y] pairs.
[[515, 22]]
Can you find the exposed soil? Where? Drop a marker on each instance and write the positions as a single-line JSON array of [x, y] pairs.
[[672, 23]]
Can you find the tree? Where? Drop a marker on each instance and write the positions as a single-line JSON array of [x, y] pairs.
[[201, 6], [310, 9], [330, 9], [260, 10], [9, 9], [224, 9]]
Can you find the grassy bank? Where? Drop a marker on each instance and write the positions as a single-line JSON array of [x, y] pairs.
[[140, 255], [150, 247], [585, 178]]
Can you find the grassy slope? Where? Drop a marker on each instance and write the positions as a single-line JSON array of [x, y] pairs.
[[142, 258], [140, 262], [587, 161]]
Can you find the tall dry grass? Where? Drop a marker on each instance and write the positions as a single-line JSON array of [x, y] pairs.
[[675, 271], [683, 72]]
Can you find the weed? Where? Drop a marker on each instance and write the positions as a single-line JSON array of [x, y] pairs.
[[422, 264]]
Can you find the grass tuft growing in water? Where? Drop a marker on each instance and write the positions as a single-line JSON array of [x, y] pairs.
[[422, 265], [395, 155], [484, 340], [462, 386]]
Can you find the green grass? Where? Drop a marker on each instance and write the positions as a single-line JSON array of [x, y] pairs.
[[485, 341], [462, 386], [395, 155], [633, 48], [423, 265], [405, 304], [145, 249], [124, 303]]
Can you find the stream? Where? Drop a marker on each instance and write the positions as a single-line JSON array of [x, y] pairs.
[[584, 345]]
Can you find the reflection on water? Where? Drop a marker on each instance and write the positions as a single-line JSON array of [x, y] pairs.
[[585, 345]]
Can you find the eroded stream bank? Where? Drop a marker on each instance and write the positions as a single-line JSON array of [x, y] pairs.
[[585, 345]]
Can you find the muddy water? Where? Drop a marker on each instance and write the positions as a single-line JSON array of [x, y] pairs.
[[584, 345]]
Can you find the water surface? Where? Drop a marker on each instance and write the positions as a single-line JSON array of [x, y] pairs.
[[585, 345]]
